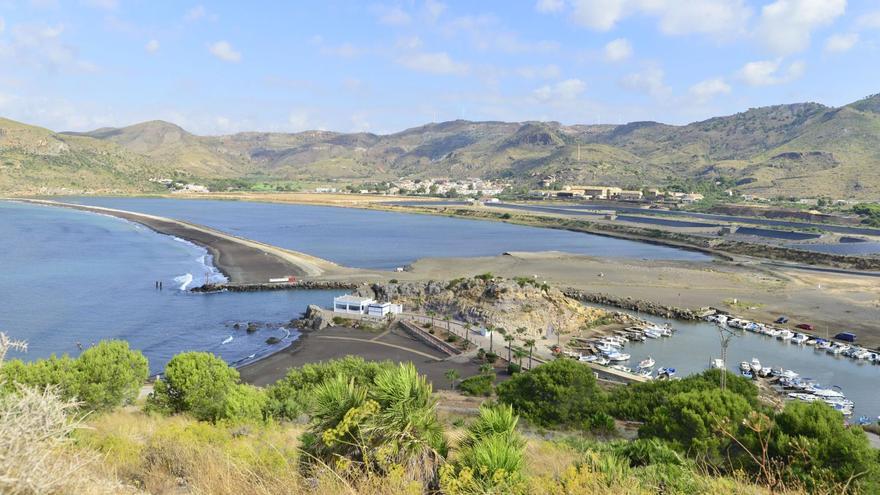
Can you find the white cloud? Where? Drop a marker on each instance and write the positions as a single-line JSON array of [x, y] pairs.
[[704, 91], [563, 90], [786, 26], [345, 50], [433, 63], [871, 20], [434, 9], [152, 46], [770, 72], [41, 46], [102, 4], [224, 51], [408, 43], [394, 16], [195, 13], [618, 50], [676, 17], [650, 81], [840, 43], [546, 6], [549, 71]]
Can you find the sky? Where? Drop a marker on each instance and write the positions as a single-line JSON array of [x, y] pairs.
[[289, 66]]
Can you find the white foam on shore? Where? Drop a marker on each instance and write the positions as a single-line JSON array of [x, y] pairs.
[[213, 275], [184, 281]]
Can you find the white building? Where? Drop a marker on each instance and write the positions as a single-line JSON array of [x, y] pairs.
[[352, 304], [379, 310]]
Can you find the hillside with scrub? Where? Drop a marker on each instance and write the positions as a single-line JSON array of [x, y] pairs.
[[799, 150], [88, 425]]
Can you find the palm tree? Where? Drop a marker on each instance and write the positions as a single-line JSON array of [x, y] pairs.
[[452, 375], [431, 314], [509, 339], [491, 331], [467, 333], [446, 319], [486, 369], [530, 343], [519, 354]]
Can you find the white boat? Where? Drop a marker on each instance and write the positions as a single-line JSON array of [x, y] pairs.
[[718, 364], [785, 335], [827, 393], [772, 332], [756, 365], [620, 367], [588, 359], [647, 374], [744, 366], [799, 338], [862, 354], [811, 341], [803, 397], [602, 360], [227, 340], [647, 363], [618, 356], [823, 345], [669, 372], [652, 334]]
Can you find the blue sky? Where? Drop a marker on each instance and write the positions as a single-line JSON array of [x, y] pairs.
[[220, 67]]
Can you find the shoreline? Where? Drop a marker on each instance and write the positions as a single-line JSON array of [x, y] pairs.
[[241, 261]]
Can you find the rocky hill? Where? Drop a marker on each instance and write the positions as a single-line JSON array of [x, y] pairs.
[[803, 149], [495, 302]]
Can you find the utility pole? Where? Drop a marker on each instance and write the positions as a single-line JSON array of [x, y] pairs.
[[726, 334]]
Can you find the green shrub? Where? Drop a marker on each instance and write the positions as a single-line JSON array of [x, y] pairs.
[[491, 357], [203, 385], [513, 368], [451, 338], [105, 376], [559, 393], [478, 385]]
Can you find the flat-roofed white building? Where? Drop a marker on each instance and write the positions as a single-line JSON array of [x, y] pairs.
[[352, 304], [380, 310]]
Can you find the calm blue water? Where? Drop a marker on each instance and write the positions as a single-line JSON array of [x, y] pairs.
[[691, 349], [382, 240], [68, 276]]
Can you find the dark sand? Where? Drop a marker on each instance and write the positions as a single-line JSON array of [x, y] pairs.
[[338, 342], [240, 261]]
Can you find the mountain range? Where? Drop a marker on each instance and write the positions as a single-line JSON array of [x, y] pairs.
[[802, 149]]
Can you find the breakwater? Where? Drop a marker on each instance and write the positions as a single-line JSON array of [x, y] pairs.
[[260, 287], [630, 304]]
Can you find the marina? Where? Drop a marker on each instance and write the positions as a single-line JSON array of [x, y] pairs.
[[798, 365]]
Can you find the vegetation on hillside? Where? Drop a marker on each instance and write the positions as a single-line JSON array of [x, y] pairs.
[[351, 426]]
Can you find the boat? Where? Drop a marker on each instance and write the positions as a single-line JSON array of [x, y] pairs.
[[668, 372], [823, 345], [617, 356], [601, 360], [718, 364], [744, 366], [747, 374], [646, 374], [756, 365], [799, 338], [227, 340], [588, 359], [652, 334], [772, 332], [785, 335], [647, 363], [811, 341], [620, 367]]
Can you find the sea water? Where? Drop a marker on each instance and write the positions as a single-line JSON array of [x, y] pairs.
[[69, 279]]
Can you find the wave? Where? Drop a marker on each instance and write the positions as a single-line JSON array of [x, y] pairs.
[[184, 281]]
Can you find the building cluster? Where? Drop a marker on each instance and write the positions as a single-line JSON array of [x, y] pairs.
[[468, 187], [356, 305], [619, 194], [178, 186]]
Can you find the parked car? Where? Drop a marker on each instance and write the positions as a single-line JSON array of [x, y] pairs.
[[846, 336], [782, 319], [805, 326]]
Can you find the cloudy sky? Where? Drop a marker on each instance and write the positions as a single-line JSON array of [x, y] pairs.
[[219, 67]]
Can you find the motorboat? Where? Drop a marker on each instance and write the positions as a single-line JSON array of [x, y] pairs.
[[755, 365], [773, 332], [744, 366], [747, 374], [811, 341], [647, 363], [785, 335], [827, 393], [718, 364], [602, 360], [652, 334], [620, 367], [646, 374], [668, 372], [823, 345], [803, 397], [799, 338], [588, 359], [617, 356]]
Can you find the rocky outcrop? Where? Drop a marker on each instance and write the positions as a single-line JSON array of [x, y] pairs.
[[314, 319], [301, 284], [646, 307], [496, 302]]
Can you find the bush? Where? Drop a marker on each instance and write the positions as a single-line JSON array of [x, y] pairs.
[[692, 422], [451, 338], [292, 396], [513, 368], [203, 385], [105, 376], [491, 357], [479, 385], [559, 393]]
